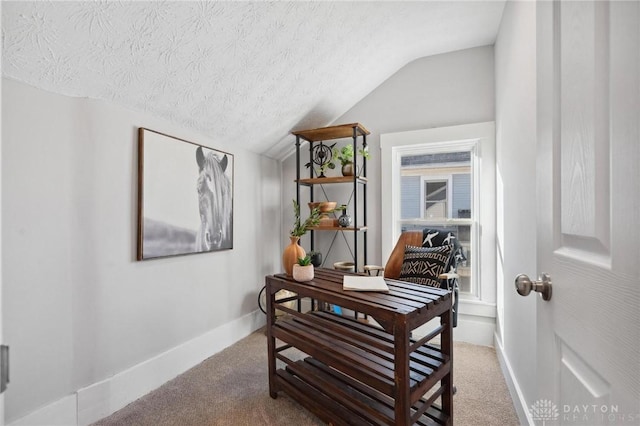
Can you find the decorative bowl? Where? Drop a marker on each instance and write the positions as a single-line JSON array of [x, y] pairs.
[[344, 266], [323, 206]]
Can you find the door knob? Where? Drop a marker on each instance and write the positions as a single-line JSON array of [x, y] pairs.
[[543, 286]]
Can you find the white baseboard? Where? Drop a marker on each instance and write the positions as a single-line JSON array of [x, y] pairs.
[[519, 402], [477, 330], [63, 412], [104, 398]]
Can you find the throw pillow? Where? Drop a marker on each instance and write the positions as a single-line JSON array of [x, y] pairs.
[[422, 265], [440, 237]]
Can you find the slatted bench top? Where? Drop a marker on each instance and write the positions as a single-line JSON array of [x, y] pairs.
[[413, 302]]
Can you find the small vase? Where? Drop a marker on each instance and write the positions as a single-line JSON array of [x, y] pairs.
[[344, 220], [302, 273], [316, 259], [347, 169], [291, 254]]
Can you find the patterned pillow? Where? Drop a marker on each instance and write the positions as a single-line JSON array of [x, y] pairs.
[[441, 237], [422, 265]]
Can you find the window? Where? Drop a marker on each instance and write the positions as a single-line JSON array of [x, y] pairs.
[[433, 178], [436, 193], [435, 196]]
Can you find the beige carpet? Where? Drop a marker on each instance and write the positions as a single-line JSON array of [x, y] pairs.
[[231, 388]]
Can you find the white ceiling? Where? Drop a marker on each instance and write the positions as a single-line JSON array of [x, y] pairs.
[[239, 72]]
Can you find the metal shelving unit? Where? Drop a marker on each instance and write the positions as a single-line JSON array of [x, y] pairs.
[[358, 134]]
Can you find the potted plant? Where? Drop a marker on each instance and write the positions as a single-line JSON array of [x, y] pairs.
[[294, 251], [345, 156], [303, 269], [300, 228]]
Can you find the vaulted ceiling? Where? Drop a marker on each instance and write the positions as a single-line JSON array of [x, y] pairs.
[[239, 72]]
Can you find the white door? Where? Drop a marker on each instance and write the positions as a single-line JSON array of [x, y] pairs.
[[588, 170]]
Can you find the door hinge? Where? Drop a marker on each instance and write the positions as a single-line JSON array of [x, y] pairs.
[[4, 367]]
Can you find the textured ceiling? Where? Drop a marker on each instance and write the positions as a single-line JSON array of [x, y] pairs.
[[239, 72]]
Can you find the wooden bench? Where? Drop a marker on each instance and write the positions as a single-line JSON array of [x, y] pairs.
[[353, 372]]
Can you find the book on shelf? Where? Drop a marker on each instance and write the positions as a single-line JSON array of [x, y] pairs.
[[360, 283]]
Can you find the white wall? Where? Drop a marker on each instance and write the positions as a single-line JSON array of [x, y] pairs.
[[78, 308], [435, 91], [515, 53]]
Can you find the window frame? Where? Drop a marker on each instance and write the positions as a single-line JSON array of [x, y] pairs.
[[443, 147], [481, 138]]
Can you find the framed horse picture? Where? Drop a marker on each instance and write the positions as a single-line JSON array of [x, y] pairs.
[[185, 197]]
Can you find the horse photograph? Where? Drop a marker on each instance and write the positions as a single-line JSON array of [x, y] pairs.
[[185, 197]]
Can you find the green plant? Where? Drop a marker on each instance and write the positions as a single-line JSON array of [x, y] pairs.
[[345, 154], [325, 166], [301, 228], [304, 261]]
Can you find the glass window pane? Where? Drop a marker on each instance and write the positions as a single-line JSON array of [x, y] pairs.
[[410, 206], [436, 191], [436, 210], [463, 234], [446, 194], [435, 196]]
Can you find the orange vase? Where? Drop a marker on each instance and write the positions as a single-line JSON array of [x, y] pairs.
[[291, 254]]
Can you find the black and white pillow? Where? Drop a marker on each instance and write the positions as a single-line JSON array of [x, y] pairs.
[[423, 265], [440, 237]]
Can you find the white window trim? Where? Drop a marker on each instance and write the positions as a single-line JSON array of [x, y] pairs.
[[481, 135]]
